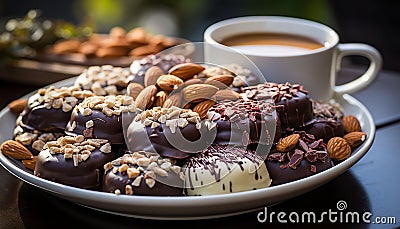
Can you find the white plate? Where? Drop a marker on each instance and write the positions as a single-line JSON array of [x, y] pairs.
[[190, 207]]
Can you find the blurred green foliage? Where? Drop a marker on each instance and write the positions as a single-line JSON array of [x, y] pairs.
[[194, 15]]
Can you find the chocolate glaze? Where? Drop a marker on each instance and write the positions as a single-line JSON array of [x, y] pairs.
[[295, 112], [88, 174], [249, 123], [106, 127], [45, 120], [165, 62], [155, 140], [325, 128], [164, 147], [281, 175], [294, 106]]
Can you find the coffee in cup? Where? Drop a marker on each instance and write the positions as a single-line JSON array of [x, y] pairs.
[[273, 44], [291, 50]]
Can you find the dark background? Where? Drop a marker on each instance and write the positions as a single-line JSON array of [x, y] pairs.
[[373, 22]]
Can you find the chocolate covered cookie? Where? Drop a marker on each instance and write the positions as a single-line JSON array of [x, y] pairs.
[[49, 109], [292, 102], [101, 117], [104, 80], [300, 155], [164, 62], [171, 132], [143, 173], [74, 161], [223, 169], [244, 122]]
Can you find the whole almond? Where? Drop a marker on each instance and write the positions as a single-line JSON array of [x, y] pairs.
[[15, 150], [137, 36], [186, 70], [161, 97], [151, 76], [287, 143], [174, 99], [88, 48], [134, 89], [355, 139], [18, 105], [351, 124], [110, 52], [117, 32], [203, 107], [145, 50], [30, 163], [169, 82], [192, 81], [198, 92], [146, 97], [220, 81], [338, 148], [227, 94], [114, 42], [187, 105], [66, 46]]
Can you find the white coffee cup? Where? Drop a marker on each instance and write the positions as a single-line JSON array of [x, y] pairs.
[[315, 69]]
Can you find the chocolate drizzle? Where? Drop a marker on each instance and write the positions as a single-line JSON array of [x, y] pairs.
[[245, 121], [229, 155]]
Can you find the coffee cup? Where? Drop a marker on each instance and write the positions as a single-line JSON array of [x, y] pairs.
[[291, 50]]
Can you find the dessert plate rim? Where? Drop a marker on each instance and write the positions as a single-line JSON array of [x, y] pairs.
[[189, 207]]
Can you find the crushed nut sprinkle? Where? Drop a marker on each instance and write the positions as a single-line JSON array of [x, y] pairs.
[[172, 117], [104, 80], [142, 165], [64, 98], [36, 139], [109, 105], [77, 148]]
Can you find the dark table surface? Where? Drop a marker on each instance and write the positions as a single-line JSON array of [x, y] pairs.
[[371, 185]]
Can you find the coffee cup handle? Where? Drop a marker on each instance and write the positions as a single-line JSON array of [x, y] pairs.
[[369, 76]]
